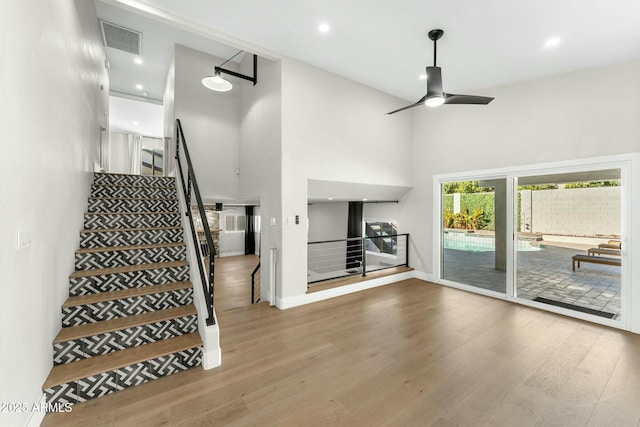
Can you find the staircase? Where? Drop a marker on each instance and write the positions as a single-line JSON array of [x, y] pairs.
[[129, 318]]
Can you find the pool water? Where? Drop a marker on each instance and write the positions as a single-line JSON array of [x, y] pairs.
[[479, 243]]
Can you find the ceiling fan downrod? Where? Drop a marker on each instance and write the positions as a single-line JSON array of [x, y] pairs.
[[435, 36]]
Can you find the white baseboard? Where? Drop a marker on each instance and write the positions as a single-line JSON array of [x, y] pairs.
[[427, 277], [226, 254], [289, 302], [38, 416]]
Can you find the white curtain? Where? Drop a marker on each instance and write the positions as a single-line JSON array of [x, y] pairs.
[[135, 147]]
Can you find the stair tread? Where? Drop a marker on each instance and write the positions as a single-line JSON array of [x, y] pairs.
[[81, 331], [127, 268], [134, 186], [129, 248], [156, 178], [104, 230], [84, 368], [133, 213], [134, 198], [125, 293]]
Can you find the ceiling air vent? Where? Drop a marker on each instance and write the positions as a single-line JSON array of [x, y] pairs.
[[121, 38]]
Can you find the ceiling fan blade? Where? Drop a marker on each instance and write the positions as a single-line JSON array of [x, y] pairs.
[[421, 101], [450, 98]]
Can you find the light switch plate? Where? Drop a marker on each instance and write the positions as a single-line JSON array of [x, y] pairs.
[[24, 239]]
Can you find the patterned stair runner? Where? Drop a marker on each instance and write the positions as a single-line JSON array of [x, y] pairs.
[[130, 316]]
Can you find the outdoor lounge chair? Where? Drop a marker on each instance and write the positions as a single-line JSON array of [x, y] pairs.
[[578, 258], [611, 244], [602, 251]]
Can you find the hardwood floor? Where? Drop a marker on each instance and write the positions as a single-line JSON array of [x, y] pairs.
[[233, 281], [407, 354]]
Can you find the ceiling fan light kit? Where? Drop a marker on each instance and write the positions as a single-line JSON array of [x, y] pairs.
[[436, 96]]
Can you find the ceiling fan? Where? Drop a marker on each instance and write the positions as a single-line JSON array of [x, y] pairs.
[[435, 95]]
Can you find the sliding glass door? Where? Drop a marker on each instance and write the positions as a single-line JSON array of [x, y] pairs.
[[569, 229], [474, 244], [553, 240]]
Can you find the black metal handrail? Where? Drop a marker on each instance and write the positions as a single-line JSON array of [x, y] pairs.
[[192, 183], [359, 238], [253, 284]]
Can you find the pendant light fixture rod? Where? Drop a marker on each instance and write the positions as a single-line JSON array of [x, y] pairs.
[[253, 79]]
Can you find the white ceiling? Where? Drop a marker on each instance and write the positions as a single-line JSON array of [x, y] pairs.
[[383, 44], [158, 40], [131, 116]]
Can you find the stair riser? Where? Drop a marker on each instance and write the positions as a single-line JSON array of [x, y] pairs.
[[104, 239], [96, 345], [89, 261], [120, 379], [96, 312], [153, 181], [120, 281], [108, 221], [132, 206], [147, 192]]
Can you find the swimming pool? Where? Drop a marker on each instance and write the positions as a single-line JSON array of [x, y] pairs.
[[479, 243]]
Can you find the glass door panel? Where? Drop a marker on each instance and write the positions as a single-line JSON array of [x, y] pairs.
[[474, 233], [569, 234]]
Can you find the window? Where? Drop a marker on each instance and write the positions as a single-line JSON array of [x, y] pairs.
[[234, 222]]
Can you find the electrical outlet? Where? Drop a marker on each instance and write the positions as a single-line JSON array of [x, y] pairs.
[[24, 239]]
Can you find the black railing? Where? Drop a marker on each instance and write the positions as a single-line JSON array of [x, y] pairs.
[[255, 279], [190, 188], [330, 259]]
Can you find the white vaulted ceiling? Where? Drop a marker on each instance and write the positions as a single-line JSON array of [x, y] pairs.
[[383, 44]]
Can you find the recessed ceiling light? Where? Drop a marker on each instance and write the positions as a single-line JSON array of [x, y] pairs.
[[145, 93], [329, 198], [422, 77], [135, 123], [552, 42], [364, 200], [137, 60], [323, 27], [139, 86]]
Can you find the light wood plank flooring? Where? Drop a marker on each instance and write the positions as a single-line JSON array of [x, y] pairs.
[[407, 354], [233, 281]]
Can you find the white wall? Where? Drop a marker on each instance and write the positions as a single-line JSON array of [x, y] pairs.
[[572, 211], [168, 101], [557, 118], [52, 110], [333, 129], [119, 156], [260, 156], [388, 211], [211, 123], [328, 221]]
